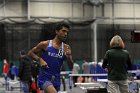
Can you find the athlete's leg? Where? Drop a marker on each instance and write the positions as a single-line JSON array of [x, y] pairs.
[[48, 87]]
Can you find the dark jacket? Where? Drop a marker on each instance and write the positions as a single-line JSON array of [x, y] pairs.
[[118, 61], [35, 68], [25, 68]]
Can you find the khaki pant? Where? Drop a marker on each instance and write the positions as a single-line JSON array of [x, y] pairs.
[[118, 86]]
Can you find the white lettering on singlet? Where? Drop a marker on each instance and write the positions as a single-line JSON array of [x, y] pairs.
[[57, 55]]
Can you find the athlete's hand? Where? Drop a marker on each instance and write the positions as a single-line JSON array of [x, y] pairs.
[[43, 63], [67, 52], [69, 56]]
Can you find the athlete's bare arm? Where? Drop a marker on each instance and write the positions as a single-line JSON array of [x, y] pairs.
[[36, 51], [68, 54]]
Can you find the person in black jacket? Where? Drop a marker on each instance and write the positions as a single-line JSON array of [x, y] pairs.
[[117, 60], [35, 70], [25, 71]]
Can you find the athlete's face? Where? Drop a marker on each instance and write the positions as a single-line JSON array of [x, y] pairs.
[[62, 33]]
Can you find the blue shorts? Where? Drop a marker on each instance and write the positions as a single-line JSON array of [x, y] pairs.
[[47, 83]]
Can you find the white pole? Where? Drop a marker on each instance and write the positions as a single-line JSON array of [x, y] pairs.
[[94, 36], [28, 9], [95, 41]]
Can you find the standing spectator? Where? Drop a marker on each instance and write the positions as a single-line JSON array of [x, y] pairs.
[[35, 70], [86, 70], [5, 69], [92, 66], [25, 71], [117, 60], [12, 71], [75, 70]]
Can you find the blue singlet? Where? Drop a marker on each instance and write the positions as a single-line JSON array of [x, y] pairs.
[[54, 58]]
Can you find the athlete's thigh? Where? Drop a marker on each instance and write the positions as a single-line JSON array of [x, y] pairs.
[[50, 89]]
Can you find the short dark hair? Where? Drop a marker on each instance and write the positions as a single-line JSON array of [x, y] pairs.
[[60, 25]]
